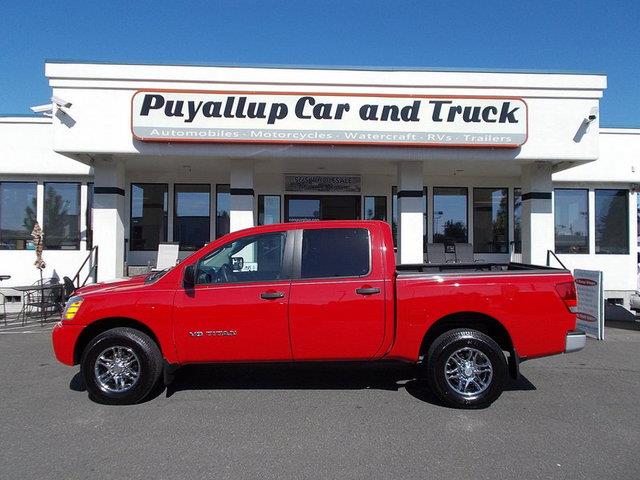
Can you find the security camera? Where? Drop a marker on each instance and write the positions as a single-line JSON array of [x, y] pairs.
[[593, 114], [60, 103]]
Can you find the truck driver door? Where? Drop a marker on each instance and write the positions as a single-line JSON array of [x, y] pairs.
[[237, 309]]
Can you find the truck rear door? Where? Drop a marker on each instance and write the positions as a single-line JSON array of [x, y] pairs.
[[337, 296]]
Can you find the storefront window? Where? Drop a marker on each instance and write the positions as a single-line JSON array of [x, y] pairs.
[[268, 209], [612, 222], [394, 215], [192, 213], [89, 216], [17, 214], [61, 227], [450, 214], [517, 220], [490, 220], [223, 208], [375, 208], [571, 209], [148, 215]]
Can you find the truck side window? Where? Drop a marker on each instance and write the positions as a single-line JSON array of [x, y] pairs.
[[256, 258], [335, 252]]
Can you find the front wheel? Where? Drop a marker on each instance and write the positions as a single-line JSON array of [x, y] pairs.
[[121, 366], [466, 368]]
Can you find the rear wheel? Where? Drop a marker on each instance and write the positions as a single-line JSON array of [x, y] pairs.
[[466, 368], [121, 366]]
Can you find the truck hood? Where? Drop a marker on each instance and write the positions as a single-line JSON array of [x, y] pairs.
[[117, 284]]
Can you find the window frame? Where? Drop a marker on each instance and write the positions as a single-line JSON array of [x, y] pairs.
[[433, 213], [297, 257], [35, 183], [588, 216], [425, 221], [507, 226], [217, 234], [286, 268], [175, 213], [166, 239], [79, 200], [88, 216], [374, 197], [595, 220]]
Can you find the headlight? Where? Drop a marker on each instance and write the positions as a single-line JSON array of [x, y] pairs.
[[71, 308]]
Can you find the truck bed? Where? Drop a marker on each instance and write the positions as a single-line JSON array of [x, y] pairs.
[[457, 268]]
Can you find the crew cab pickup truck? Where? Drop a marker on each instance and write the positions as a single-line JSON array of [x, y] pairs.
[[319, 292]]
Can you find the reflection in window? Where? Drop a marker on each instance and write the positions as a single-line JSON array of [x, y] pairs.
[[257, 258], [517, 220], [375, 208], [450, 214], [335, 252], [612, 221], [191, 216], [223, 209], [148, 215], [17, 215], [490, 220], [303, 209], [571, 210], [268, 209], [61, 225], [394, 215]]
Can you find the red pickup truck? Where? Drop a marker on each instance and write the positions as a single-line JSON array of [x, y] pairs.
[[319, 292]]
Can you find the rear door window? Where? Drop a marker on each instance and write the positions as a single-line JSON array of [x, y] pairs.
[[335, 252]]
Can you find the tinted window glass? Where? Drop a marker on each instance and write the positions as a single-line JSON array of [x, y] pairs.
[[191, 216], [517, 220], [17, 215], [89, 216], [375, 208], [223, 207], [612, 221], [61, 227], [249, 259], [571, 210], [148, 215], [268, 209], [450, 214], [335, 252], [490, 220]]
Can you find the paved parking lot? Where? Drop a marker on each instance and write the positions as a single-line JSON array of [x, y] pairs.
[[572, 416]]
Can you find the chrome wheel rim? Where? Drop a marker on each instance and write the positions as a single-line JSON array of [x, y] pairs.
[[468, 371], [117, 369]]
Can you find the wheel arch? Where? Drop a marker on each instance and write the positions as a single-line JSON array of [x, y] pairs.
[[478, 321], [104, 324]]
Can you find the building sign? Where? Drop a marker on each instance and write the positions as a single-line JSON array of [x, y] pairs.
[[323, 183], [590, 302], [328, 118]]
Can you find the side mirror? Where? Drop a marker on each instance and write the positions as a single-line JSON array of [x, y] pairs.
[[189, 279]]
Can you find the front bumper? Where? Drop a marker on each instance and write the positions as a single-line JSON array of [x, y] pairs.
[[575, 341], [64, 338]]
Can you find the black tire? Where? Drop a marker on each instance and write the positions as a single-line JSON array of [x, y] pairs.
[[143, 354], [486, 388]]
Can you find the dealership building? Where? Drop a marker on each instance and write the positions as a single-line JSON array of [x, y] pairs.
[[127, 157]]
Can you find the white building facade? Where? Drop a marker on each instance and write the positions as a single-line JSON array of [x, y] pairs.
[[513, 164]]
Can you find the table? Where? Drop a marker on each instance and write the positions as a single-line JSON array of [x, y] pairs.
[[53, 302]]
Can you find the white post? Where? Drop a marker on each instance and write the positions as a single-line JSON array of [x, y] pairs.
[[241, 190], [410, 212], [108, 217], [537, 213]]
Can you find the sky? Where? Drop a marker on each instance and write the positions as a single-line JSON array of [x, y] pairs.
[[565, 35]]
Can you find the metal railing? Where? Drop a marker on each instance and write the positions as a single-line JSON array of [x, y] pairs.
[[552, 253], [92, 259]]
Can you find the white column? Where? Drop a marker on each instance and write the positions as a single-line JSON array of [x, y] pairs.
[[241, 189], [410, 212], [537, 213], [108, 217]]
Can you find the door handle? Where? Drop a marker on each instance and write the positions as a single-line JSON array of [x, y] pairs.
[[271, 295], [367, 291]]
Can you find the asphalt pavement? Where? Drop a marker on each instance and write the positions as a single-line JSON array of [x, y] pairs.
[[570, 416]]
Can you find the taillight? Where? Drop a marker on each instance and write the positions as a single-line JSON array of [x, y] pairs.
[[567, 292]]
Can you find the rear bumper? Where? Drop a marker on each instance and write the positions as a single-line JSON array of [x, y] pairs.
[[64, 338], [575, 341]]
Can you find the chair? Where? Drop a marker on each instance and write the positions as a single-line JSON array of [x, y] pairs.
[[435, 253], [41, 303], [69, 288], [464, 253]]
